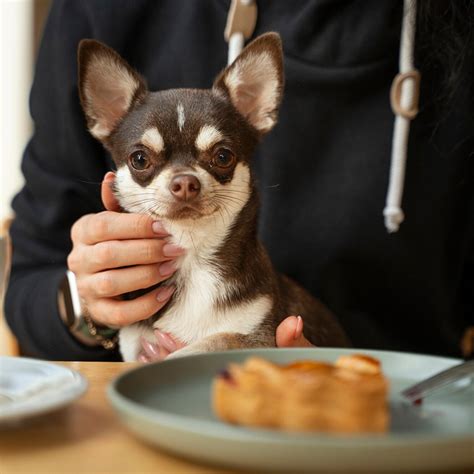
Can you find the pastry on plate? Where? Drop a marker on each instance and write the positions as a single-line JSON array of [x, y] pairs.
[[349, 396]]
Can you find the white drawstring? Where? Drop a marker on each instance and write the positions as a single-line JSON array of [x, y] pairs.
[[404, 101], [241, 21], [236, 44]]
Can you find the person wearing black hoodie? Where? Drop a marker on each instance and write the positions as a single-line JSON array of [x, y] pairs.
[[322, 172]]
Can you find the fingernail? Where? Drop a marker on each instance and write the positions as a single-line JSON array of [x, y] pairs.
[[299, 327], [158, 228], [172, 250], [167, 268], [152, 350], [165, 341], [143, 358], [109, 176], [164, 293]]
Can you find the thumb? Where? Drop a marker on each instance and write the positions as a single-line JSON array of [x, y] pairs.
[[108, 197], [290, 333]]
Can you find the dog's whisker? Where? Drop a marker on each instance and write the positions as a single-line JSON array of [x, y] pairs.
[[230, 200], [235, 198], [224, 209], [220, 213], [230, 190]]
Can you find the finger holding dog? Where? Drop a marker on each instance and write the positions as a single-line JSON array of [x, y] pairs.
[[108, 198], [118, 313], [120, 253], [114, 283], [289, 333], [108, 225]]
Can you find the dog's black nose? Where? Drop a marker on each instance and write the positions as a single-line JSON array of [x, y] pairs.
[[185, 187]]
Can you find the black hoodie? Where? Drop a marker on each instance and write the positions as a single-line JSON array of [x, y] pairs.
[[323, 171]]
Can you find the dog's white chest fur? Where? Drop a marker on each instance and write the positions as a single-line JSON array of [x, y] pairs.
[[196, 310]]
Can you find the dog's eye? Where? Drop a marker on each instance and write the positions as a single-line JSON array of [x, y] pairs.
[[224, 158], [139, 160]]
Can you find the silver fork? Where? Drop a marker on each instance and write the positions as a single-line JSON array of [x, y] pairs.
[[426, 387]]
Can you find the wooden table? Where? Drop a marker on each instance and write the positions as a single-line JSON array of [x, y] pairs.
[[86, 437]]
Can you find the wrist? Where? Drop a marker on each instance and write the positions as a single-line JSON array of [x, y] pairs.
[[76, 319]]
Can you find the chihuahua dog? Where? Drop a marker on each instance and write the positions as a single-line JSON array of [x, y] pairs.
[[183, 156]]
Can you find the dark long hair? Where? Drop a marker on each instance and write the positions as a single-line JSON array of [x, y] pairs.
[[445, 42]]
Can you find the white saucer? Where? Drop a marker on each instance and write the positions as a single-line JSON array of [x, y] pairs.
[[31, 387]]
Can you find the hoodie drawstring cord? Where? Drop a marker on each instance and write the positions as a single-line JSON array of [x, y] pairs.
[[240, 26], [404, 97]]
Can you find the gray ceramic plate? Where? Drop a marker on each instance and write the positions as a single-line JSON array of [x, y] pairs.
[[168, 404]]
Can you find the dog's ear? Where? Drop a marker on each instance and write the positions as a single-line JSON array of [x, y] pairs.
[[108, 87], [254, 81]]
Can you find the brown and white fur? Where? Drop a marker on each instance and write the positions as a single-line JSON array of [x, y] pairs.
[[228, 294]]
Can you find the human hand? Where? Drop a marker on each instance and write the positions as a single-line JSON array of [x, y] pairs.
[[115, 253]]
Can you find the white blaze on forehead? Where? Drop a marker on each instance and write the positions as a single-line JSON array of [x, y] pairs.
[[181, 117], [207, 137], [153, 140]]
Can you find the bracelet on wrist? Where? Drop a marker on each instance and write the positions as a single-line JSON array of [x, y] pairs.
[[106, 337]]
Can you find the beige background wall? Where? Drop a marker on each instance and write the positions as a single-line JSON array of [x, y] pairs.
[[21, 24]]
